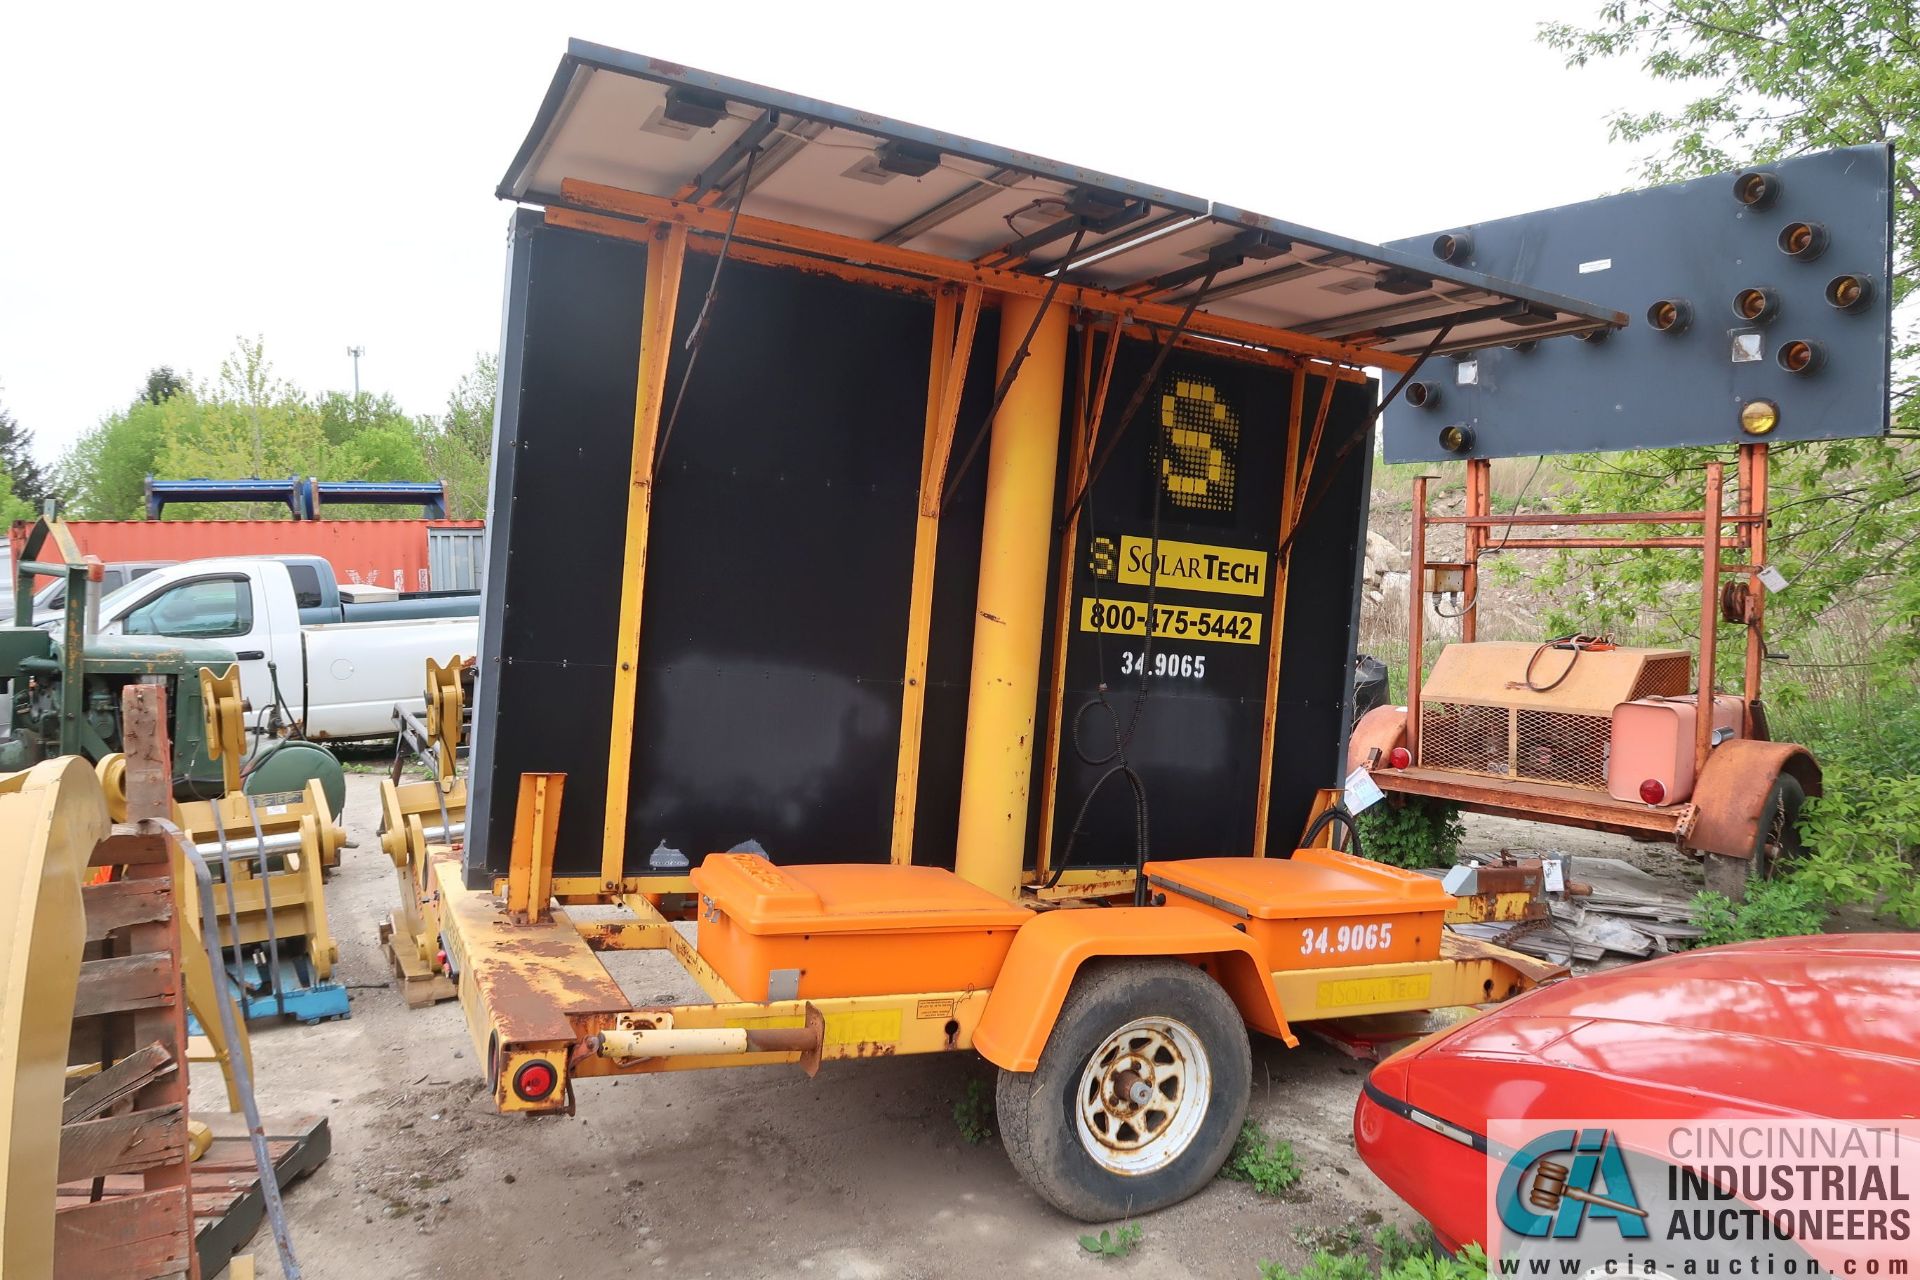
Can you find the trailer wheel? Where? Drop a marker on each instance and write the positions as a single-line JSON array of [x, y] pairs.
[[1140, 1091], [1778, 842]]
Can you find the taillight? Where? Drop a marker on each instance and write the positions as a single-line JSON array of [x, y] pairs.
[[1653, 791], [535, 1081], [1399, 758]]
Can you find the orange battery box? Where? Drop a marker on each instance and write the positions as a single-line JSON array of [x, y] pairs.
[[863, 929], [1318, 909]]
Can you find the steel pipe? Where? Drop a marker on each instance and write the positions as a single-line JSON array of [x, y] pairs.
[[622, 1045], [251, 846], [1016, 540]]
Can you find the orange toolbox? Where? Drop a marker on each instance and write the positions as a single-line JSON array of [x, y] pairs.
[[1319, 909], [842, 929]]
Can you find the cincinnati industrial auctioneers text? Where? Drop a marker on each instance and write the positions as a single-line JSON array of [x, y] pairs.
[[1789, 1197]]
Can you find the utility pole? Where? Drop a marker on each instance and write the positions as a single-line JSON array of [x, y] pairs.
[[356, 353]]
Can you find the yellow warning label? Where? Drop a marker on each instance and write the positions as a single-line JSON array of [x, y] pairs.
[[1187, 566], [924, 1009], [1170, 621], [1349, 992]]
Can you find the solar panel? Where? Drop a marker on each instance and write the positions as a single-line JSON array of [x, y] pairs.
[[662, 130]]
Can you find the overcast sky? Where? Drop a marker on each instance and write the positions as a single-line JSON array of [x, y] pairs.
[[178, 175]]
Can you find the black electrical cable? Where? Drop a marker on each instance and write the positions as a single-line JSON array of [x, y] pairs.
[[1122, 738], [1327, 818], [1139, 394], [1121, 766], [1000, 392], [1365, 432], [697, 335]]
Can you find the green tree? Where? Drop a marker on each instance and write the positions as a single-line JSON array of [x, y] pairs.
[[1770, 79], [13, 507], [459, 444], [163, 383], [248, 421], [27, 481], [103, 471]]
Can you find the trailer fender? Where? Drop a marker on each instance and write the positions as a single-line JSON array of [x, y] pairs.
[[1381, 729], [1733, 789], [1049, 950]]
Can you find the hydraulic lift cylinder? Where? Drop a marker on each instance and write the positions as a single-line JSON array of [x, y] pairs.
[[1010, 613]]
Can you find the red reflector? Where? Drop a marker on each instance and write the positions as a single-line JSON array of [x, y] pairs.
[[1400, 758], [1653, 791], [535, 1080]]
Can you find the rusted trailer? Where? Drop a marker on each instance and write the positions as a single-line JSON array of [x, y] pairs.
[[1766, 296]]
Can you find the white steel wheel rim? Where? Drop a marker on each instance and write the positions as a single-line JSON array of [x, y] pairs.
[[1143, 1096]]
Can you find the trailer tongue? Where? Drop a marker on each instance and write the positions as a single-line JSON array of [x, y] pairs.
[[985, 534]]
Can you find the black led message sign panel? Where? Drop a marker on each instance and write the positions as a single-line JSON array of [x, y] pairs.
[[1201, 467], [1758, 305]]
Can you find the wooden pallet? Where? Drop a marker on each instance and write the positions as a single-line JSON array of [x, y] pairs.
[[126, 1124], [228, 1204], [420, 986]]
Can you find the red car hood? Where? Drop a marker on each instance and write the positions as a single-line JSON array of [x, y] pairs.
[[1823, 1026]]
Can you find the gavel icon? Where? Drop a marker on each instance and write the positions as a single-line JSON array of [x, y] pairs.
[[1550, 1188]]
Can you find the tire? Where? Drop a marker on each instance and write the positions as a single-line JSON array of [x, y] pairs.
[[1778, 842], [1117, 1156]]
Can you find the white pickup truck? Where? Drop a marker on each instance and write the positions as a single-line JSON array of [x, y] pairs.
[[336, 680]]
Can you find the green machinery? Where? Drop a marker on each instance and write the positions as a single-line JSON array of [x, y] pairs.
[[44, 668], [266, 819]]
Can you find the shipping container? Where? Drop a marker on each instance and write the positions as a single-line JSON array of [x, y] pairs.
[[457, 556], [386, 553]]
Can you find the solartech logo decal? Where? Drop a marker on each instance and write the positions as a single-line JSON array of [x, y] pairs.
[[1745, 1198]]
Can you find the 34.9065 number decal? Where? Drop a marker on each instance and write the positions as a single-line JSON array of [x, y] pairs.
[[1176, 621], [1347, 938], [1191, 665]]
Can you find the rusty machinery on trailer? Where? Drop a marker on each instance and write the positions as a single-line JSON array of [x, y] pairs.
[[985, 535], [1766, 299], [418, 820]]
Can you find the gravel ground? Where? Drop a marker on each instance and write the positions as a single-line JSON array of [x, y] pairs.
[[860, 1172]]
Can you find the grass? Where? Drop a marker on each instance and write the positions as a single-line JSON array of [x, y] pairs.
[[973, 1113], [1114, 1244], [1268, 1164]]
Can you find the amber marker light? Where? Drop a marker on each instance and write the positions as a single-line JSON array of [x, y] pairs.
[[1758, 417], [1756, 306], [1453, 246], [1670, 315], [1801, 357], [1756, 188], [1804, 241], [1849, 293]]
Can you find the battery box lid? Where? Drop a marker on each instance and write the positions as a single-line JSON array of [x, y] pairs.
[[1312, 883], [848, 897]]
